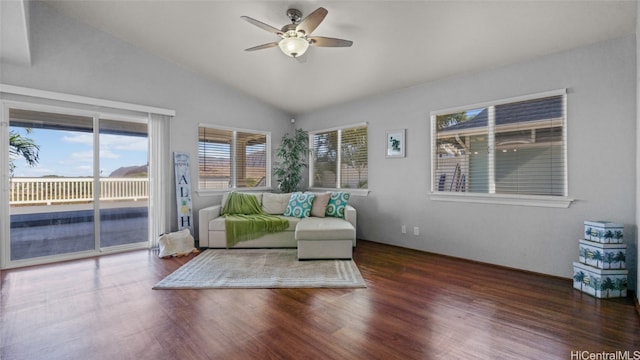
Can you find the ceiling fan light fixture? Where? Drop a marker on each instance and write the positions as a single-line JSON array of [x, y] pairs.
[[293, 46], [295, 38]]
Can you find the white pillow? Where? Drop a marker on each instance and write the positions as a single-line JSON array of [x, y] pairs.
[[275, 204], [319, 207]]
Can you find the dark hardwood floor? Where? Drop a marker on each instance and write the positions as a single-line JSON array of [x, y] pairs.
[[416, 306]]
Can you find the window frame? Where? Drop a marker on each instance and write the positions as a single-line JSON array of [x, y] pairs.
[[233, 169], [356, 192], [563, 201]]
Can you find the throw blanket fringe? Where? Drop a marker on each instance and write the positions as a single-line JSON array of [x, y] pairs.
[[245, 220]]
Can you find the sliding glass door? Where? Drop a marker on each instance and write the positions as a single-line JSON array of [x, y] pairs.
[[78, 183], [124, 183], [50, 186]]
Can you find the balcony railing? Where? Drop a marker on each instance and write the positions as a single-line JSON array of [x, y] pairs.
[[47, 191]]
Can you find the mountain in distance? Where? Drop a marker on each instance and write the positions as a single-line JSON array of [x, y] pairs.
[[130, 172]]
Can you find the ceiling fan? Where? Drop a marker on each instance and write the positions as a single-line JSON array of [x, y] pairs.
[[295, 37]]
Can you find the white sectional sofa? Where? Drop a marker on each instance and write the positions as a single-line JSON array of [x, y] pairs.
[[315, 237]]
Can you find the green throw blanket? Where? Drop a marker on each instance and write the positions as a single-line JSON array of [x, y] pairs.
[[245, 220]]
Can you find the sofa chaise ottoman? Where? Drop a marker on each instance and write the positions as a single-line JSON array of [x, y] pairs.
[[322, 238], [315, 237]]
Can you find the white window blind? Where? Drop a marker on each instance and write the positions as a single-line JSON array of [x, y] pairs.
[[340, 158], [354, 158], [232, 159], [513, 147]]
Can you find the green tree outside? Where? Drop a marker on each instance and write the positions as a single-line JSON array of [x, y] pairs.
[[22, 146]]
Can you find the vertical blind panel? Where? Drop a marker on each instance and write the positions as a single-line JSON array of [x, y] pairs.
[[251, 159], [354, 158], [214, 158]]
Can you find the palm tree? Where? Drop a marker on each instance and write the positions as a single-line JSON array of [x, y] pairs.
[[595, 283], [608, 285], [597, 256], [583, 254], [618, 235], [20, 146], [587, 233], [579, 277], [608, 235], [609, 257], [620, 258], [621, 285]]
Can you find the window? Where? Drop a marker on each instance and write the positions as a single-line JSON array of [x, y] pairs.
[[510, 147], [339, 158], [232, 159]]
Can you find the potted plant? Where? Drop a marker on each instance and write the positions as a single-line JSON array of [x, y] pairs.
[[292, 152]]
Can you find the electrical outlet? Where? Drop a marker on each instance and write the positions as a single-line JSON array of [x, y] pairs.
[[404, 229], [416, 231]]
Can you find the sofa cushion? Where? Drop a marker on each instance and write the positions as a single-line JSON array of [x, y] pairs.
[[320, 202], [275, 204], [299, 205], [218, 224], [337, 203], [225, 196], [328, 228]]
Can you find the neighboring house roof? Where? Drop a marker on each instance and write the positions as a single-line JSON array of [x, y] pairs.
[[525, 111]]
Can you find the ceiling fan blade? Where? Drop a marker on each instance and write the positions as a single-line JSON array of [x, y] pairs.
[[312, 21], [262, 25], [328, 42], [263, 46]]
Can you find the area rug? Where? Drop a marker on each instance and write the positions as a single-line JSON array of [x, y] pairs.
[[261, 268]]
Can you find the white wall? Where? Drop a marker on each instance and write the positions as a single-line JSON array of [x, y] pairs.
[[601, 155], [71, 57]]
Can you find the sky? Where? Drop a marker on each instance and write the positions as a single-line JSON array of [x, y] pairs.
[[70, 153]]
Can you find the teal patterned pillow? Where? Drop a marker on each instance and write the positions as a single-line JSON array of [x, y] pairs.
[[337, 203], [299, 205]]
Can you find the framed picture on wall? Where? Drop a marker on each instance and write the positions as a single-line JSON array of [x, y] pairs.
[[395, 143]]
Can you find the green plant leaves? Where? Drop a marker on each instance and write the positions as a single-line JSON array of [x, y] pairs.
[[292, 152]]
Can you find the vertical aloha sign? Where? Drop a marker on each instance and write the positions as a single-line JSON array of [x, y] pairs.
[[183, 191]]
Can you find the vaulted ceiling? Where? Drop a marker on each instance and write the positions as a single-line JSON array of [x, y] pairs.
[[396, 43]]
